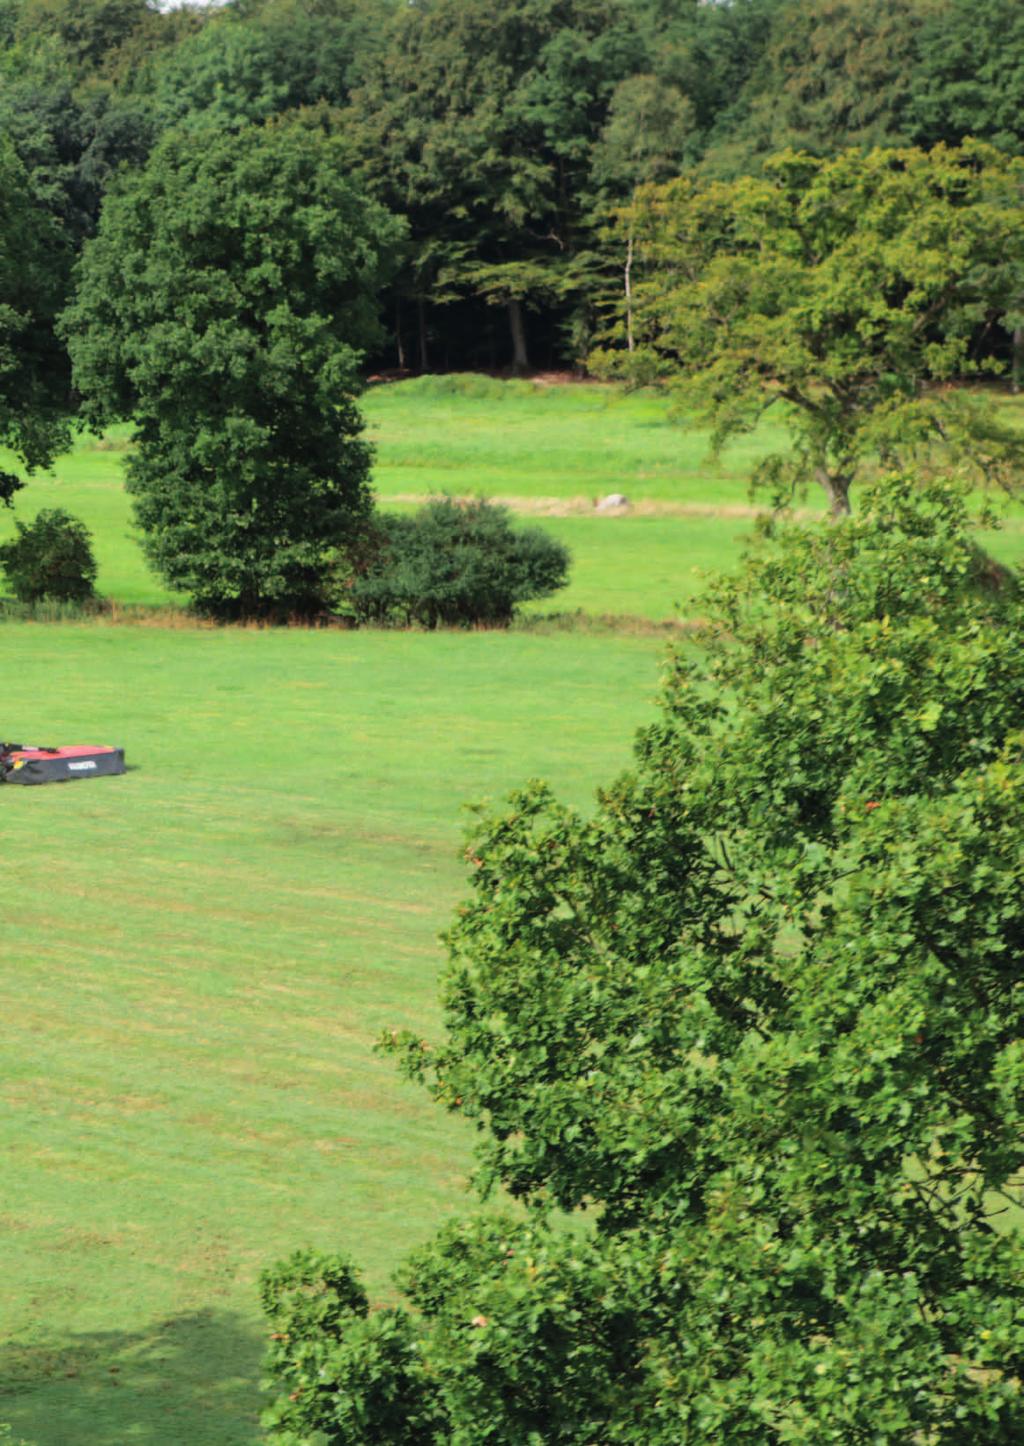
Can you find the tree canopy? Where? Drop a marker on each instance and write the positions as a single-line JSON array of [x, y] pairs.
[[840, 290], [224, 306], [758, 1020], [34, 384], [503, 134]]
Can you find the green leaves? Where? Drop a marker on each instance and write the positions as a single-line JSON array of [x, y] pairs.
[[34, 389], [225, 305], [348, 1377], [835, 289], [51, 557], [454, 563], [757, 1019]]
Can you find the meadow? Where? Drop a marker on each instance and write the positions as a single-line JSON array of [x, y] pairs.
[[198, 957], [550, 451]]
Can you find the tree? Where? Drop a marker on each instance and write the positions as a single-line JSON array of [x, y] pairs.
[[832, 73], [476, 121], [34, 385], [646, 134], [759, 1016], [713, 56], [65, 97], [969, 81], [89, 31], [842, 292], [513, 285], [969, 78], [224, 305], [643, 141], [241, 68]]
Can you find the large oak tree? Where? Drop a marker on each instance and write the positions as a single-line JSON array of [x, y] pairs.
[[756, 1021]]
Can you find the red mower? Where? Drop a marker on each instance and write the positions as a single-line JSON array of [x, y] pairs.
[[23, 763]]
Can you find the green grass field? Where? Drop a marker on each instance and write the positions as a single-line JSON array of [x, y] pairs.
[[198, 957], [550, 448], [550, 451], [521, 439]]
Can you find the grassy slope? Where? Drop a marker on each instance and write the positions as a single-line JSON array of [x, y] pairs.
[[504, 439], [197, 958], [578, 443], [526, 440]]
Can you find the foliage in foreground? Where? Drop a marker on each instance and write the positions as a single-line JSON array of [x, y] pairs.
[[224, 306], [50, 558], [455, 563], [761, 1018]]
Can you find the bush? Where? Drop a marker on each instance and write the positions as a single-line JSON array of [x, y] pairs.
[[50, 558], [454, 563]]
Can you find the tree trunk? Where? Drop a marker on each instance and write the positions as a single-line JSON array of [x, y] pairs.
[[629, 290], [837, 490], [1017, 373], [399, 343], [422, 322], [520, 359]]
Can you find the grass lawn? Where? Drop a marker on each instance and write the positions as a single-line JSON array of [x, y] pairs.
[[548, 450], [473, 434], [197, 958]]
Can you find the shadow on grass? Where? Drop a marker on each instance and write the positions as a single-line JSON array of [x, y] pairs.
[[189, 1379]]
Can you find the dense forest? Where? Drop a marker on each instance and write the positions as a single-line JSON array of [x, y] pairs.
[[504, 132]]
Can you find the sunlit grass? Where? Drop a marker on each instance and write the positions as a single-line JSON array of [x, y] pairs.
[[198, 957], [546, 450]]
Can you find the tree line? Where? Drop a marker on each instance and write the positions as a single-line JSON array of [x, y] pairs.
[[217, 220], [503, 131]]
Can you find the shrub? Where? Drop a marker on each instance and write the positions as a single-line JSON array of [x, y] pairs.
[[50, 558], [455, 563]]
